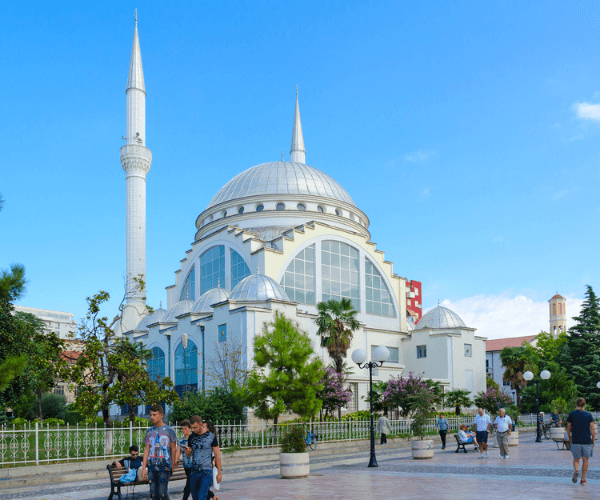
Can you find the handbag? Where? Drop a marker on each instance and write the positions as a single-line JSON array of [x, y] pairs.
[[216, 486]]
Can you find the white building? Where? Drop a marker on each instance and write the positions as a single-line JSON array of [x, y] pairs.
[[59, 322], [283, 236]]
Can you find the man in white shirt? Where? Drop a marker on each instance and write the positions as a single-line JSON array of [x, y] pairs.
[[503, 424], [482, 426]]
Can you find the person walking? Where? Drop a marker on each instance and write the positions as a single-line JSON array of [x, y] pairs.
[[160, 445], [503, 425], [482, 427], [383, 426], [442, 426], [186, 430], [582, 436], [201, 445]]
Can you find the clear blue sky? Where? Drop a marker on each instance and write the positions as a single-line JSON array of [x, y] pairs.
[[468, 132]]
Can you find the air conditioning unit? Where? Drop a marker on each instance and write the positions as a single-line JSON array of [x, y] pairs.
[[410, 295]]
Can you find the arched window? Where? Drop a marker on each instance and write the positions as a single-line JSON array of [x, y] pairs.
[[280, 206], [260, 208], [189, 287], [320, 208], [379, 300], [560, 308], [301, 206], [186, 368], [239, 269], [156, 364], [554, 309], [340, 272], [212, 268], [299, 277], [241, 210]]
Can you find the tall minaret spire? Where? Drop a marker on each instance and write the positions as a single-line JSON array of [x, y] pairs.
[[297, 152], [136, 160]]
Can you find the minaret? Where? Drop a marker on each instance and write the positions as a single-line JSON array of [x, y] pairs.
[[136, 160], [297, 152], [558, 314]]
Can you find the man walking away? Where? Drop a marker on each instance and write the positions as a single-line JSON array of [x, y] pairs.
[[482, 426], [383, 426], [442, 426], [159, 452], [186, 430], [503, 426], [201, 445], [582, 435]]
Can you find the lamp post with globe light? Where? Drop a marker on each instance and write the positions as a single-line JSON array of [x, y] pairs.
[[545, 375], [359, 356], [184, 344]]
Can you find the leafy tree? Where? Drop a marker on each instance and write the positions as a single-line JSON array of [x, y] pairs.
[[492, 400], [217, 405], [406, 393], [457, 399], [560, 385], [583, 349], [334, 395], [490, 382], [337, 324], [516, 361], [286, 376]]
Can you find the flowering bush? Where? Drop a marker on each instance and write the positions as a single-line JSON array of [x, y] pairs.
[[407, 394], [493, 399], [333, 394]]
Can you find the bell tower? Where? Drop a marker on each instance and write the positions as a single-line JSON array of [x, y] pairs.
[[558, 314]]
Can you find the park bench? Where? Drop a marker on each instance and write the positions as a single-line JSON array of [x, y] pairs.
[[115, 474], [461, 445]]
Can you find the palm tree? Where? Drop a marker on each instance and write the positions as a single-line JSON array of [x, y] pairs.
[[458, 398], [337, 324], [515, 362]]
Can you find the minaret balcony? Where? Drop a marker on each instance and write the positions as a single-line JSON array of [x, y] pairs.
[[136, 157]]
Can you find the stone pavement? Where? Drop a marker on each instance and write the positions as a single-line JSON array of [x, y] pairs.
[[533, 471]]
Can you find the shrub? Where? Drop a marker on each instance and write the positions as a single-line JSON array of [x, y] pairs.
[[54, 406], [293, 440], [73, 417], [216, 405]]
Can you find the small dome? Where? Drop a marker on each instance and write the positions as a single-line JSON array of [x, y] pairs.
[[207, 299], [258, 288], [150, 319], [181, 307], [440, 317], [281, 177]]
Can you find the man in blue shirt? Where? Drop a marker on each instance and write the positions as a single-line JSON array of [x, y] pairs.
[[202, 444], [582, 435], [133, 461]]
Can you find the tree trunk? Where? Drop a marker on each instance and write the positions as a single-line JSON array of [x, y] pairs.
[[518, 393], [39, 395], [132, 415], [457, 411]]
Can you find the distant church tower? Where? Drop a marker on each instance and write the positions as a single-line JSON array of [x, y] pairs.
[[136, 160], [558, 314]]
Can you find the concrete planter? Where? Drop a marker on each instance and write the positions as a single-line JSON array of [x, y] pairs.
[[294, 465], [513, 439], [422, 449]]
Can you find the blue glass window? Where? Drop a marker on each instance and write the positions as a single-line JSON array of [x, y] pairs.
[[299, 278], [189, 287], [239, 269], [156, 364], [379, 300], [340, 272], [212, 268], [223, 333], [186, 371]]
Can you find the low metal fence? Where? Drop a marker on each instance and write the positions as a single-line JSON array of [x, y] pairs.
[[44, 444]]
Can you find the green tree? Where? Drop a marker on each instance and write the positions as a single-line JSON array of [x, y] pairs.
[[516, 361], [286, 376], [457, 399], [217, 405], [583, 349], [492, 400]]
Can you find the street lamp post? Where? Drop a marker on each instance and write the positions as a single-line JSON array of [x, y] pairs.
[[359, 356], [184, 343], [545, 375]]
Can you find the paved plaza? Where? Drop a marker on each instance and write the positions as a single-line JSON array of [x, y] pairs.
[[533, 471]]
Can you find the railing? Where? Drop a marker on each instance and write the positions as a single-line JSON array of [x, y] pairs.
[[530, 418], [38, 444]]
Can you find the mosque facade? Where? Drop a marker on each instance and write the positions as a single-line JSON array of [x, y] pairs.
[[280, 236]]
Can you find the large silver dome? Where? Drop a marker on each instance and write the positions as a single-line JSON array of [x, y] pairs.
[[181, 307], [207, 299], [440, 317], [281, 177], [150, 319]]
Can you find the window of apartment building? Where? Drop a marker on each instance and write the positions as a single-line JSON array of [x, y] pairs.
[[59, 389], [393, 354], [223, 333], [506, 383], [468, 351], [421, 351]]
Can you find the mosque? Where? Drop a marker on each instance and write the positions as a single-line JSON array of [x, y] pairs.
[[280, 236]]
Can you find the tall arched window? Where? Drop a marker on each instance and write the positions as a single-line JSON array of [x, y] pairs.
[[239, 269], [186, 368], [189, 287], [156, 364], [299, 277], [212, 268], [553, 309], [378, 298], [340, 272]]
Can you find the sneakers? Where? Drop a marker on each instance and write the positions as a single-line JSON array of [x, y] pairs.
[[506, 456], [481, 456], [575, 476], [486, 454]]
